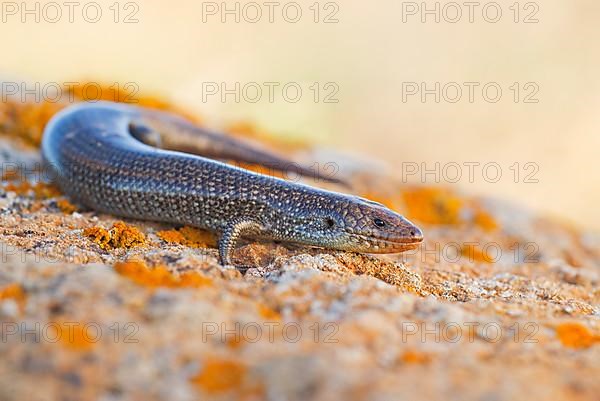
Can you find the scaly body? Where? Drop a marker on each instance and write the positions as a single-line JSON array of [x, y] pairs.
[[97, 161]]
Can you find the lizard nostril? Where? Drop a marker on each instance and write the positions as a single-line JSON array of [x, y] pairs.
[[416, 233]]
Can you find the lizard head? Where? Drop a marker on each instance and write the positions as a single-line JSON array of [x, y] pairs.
[[356, 224]]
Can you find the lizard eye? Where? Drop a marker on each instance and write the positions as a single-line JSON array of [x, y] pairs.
[[378, 222], [329, 222]]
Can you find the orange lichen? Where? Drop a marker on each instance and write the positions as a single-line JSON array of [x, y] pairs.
[[76, 336], [41, 190], [65, 206], [138, 272], [120, 235], [474, 253], [576, 335], [235, 341], [29, 120], [15, 292], [11, 175], [415, 357], [5, 111], [173, 236], [35, 206], [93, 91], [444, 206], [220, 375], [100, 235], [189, 236], [125, 236], [127, 93], [245, 129], [268, 313], [485, 220], [20, 188], [433, 205]]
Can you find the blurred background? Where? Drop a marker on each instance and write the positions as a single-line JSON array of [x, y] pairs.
[[498, 98]]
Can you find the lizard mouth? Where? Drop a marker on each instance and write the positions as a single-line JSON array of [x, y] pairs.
[[395, 245]]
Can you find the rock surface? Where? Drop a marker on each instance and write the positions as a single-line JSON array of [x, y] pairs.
[[498, 303]]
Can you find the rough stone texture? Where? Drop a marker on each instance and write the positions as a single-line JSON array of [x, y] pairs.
[[92, 309]]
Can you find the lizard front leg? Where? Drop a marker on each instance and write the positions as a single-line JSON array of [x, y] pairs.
[[232, 233]]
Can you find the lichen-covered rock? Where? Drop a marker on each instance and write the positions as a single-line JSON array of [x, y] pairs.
[[498, 304]]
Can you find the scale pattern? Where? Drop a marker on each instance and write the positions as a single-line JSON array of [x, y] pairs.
[[97, 162]]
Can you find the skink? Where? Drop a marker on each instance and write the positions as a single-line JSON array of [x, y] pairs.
[[124, 160]]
